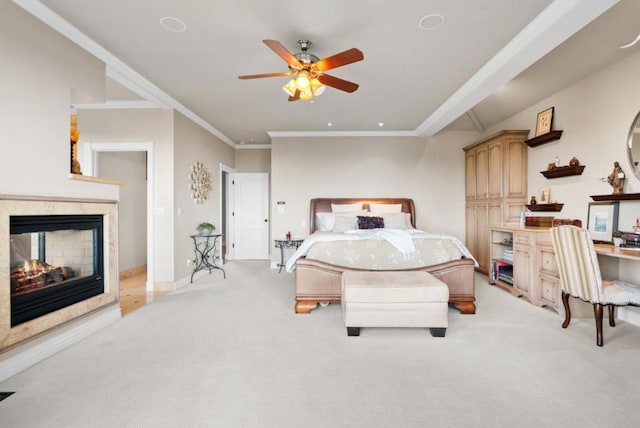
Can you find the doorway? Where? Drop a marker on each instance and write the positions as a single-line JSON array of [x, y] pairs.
[[91, 166]]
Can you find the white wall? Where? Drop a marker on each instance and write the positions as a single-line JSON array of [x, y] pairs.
[[431, 171]]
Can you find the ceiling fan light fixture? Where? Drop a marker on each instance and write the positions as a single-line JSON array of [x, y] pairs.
[[306, 94], [303, 80], [317, 88], [290, 88]]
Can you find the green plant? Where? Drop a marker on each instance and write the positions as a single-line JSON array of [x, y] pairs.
[[206, 228]]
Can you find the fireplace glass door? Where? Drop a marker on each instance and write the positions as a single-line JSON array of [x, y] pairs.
[[56, 261]]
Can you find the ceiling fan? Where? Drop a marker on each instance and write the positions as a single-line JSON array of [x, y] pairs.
[[308, 71]]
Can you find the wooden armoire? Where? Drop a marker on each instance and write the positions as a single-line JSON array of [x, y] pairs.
[[496, 188]]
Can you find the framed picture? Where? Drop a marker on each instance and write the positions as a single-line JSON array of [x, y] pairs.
[[544, 122], [545, 196], [602, 220]]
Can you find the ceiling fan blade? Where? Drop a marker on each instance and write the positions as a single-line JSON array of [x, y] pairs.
[[257, 76], [336, 82], [338, 60], [295, 97], [283, 52]]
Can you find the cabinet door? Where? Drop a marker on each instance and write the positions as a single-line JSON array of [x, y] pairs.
[[482, 236], [515, 169], [470, 174], [522, 270], [470, 229], [496, 166], [482, 173]]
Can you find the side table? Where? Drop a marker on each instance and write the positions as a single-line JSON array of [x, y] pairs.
[[206, 250], [286, 243]]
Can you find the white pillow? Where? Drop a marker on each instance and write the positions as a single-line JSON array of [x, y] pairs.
[[397, 221], [344, 223], [325, 222], [346, 208], [385, 208]]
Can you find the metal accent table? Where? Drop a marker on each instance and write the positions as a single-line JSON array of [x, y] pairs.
[[205, 247], [286, 243]]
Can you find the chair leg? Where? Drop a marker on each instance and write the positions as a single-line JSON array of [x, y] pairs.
[[567, 310], [597, 312], [612, 318]]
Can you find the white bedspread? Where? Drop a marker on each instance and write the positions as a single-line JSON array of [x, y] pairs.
[[402, 240]]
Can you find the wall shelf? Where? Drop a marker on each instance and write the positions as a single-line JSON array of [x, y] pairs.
[[544, 138], [563, 171], [545, 207], [617, 197]]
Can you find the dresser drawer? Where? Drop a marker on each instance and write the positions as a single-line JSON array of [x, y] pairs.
[[522, 238], [547, 260]]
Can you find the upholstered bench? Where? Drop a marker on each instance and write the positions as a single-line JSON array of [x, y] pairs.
[[394, 299]]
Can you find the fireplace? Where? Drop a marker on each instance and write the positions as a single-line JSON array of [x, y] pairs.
[[55, 261], [58, 264]]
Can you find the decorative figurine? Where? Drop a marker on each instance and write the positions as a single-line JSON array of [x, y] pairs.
[[574, 161], [533, 201], [616, 178]]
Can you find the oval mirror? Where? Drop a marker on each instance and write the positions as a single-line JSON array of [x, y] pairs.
[[633, 146]]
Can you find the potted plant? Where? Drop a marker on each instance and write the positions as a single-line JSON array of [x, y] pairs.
[[617, 237], [206, 228]]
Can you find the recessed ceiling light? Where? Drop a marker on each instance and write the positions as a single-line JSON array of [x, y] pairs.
[[431, 21], [329, 124], [381, 124], [173, 24]]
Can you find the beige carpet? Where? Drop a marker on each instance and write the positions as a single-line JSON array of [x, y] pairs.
[[232, 353]]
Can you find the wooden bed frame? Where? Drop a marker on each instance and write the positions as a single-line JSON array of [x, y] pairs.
[[322, 282]]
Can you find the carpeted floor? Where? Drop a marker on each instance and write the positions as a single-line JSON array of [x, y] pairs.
[[232, 353]]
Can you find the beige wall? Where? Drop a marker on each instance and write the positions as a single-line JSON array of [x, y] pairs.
[[431, 171], [39, 71], [252, 160], [142, 126], [193, 143], [131, 169]]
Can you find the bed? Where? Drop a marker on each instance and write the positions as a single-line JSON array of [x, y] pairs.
[[320, 281]]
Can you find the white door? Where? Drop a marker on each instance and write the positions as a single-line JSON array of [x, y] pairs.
[[250, 215]]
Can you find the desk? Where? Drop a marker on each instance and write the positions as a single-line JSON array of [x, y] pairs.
[[619, 252], [206, 250], [286, 243]]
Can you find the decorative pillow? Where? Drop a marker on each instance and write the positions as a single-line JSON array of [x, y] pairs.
[[346, 208], [344, 223], [370, 222], [325, 222], [385, 208], [397, 221]]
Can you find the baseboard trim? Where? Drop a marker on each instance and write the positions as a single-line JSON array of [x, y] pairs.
[[629, 315], [32, 352]]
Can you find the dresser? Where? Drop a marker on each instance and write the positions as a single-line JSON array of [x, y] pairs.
[[533, 265], [495, 188]]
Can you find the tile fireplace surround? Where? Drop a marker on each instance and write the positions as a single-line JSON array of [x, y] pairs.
[[11, 337]]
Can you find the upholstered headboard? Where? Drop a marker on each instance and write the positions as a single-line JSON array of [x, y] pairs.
[[323, 205]]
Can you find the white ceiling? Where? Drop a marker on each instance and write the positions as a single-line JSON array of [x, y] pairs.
[[415, 81]]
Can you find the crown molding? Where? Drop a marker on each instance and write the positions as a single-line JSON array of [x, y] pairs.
[[119, 104], [306, 134]]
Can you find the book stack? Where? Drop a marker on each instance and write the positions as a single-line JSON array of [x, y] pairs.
[[534, 220], [630, 240], [508, 255], [569, 221], [502, 271]]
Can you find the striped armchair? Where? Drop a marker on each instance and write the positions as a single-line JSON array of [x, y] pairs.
[[580, 277]]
